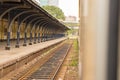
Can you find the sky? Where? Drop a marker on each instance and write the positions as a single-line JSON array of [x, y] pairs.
[[69, 7]]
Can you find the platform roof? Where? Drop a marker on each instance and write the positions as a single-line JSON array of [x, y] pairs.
[[29, 8]]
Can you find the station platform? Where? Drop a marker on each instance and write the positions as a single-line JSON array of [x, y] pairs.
[[8, 56]]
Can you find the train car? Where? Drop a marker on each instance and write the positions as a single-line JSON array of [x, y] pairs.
[[100, 39]]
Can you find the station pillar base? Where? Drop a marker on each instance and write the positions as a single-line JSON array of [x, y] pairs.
[[24, 44], [34, 42], [30, 43], [7, 48], [17, 46]]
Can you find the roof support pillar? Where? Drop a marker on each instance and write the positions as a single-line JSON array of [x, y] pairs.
[[8, 32], [18, 40], [18, 35], [39, 37], [35, 35], [25, 39], [30, 38], [8, 41]]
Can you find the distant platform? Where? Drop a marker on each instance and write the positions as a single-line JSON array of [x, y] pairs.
[[8, 56]]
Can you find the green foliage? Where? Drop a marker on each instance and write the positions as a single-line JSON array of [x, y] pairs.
[[74, 61], [76, 46], [70, 31], [55, 11], [71, 24]]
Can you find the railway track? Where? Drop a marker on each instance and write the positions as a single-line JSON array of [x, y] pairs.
[[50, 68]]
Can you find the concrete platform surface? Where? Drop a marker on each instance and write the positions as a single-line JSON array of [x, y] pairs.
[[8, 56]]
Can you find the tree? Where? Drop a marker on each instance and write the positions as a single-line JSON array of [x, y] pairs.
[[54, 11]]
